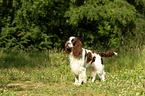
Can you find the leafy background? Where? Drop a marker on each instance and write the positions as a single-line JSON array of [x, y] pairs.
[[33, 34], [46, 24]]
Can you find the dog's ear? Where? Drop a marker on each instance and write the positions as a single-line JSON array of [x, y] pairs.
[[77, 49]]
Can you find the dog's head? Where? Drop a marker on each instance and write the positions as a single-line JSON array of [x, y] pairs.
[[73, 45]]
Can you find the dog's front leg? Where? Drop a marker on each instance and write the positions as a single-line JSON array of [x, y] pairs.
[[76, 80], [94, 77], [82, 76]]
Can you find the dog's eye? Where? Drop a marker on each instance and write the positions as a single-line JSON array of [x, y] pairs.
[[73, 41]]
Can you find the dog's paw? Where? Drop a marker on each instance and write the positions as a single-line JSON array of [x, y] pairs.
[[77, 83]]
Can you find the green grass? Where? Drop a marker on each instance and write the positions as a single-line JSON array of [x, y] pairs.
[[48, 73]]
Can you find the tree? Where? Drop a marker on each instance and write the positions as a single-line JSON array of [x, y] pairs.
[[104, 22], [32, 24], [45, 24], [139, 5]]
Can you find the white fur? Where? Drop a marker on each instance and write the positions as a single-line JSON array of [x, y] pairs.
[[70, 43], [79, 65], [115, 53], [97, 68]]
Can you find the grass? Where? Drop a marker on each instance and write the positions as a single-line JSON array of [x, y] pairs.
[[48, 73]]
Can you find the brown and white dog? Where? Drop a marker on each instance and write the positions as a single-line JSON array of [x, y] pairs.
[[81, 58]]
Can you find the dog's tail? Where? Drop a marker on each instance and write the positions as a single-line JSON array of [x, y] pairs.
[[108, 54]]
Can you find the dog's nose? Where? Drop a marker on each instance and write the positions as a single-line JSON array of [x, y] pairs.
[[66, 44]]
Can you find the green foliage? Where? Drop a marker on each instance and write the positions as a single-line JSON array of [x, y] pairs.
[[104, 19], [32, 25], [41, 24], [139, 4]]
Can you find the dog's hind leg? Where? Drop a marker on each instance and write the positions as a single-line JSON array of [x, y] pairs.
[[102, 75], [76, 80]]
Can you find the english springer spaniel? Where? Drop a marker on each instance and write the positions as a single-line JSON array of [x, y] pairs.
[[81, 58]]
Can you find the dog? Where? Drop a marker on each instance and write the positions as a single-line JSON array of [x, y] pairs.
[[82, 59]]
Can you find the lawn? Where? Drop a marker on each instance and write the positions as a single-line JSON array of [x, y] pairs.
[[48, 73]]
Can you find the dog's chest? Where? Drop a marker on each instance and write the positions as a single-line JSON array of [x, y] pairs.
[[76, 64]]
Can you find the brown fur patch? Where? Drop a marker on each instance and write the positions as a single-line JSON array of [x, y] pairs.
[[77, 49], [89, 57], [107, 54]]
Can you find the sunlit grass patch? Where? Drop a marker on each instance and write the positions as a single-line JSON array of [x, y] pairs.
[[126, 82], [125, 60], [51, 75]]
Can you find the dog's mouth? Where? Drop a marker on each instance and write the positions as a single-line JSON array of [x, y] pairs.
[[69, 49]]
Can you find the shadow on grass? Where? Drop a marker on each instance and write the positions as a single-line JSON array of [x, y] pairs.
[[23, 59], [27, 85], [16, 87]]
